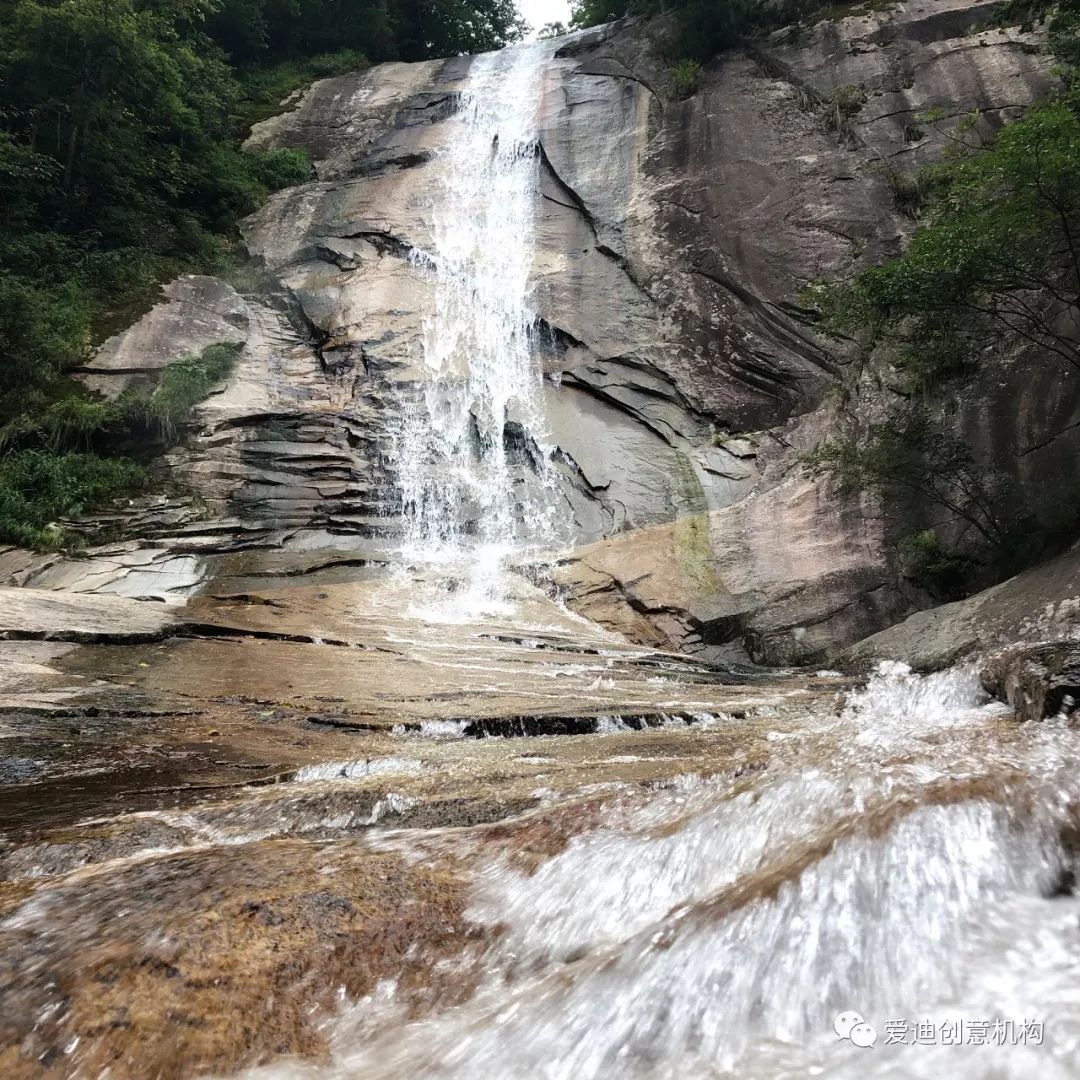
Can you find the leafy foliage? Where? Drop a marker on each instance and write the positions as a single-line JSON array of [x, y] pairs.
[[183, 384], [595, 12], [79, 421], [552, 30], [38, 487], [909, 192], [997, 262], [264, 31], [120, 164], [702, 28], [446, 27], [925, 561], [62, 463], [907, 456]]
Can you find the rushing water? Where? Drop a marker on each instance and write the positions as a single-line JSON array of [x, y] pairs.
[[903, 861], [470, 460]]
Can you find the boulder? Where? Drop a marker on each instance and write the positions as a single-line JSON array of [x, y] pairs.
[[1038, 604], [1038, 681]]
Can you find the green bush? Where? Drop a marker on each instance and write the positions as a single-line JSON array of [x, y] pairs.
[[594, 12], [844, 104], [942, 573], [848, 99], [910, 457], [42, 329], [79, 421], [701, 28], [60, 464], [263, 89], [183, 384], [686, 78], [38, 487], [75, 422]]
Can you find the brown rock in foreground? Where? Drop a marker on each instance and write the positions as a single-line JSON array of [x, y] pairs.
[[213, 959]]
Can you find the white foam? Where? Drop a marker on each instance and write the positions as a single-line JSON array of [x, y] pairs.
[[352, 770]]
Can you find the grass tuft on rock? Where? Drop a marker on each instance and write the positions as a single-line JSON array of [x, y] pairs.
[[183, 384], [686, 78]]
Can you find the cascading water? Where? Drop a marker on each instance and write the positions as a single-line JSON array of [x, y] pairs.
[[466, 506], [903, 861]]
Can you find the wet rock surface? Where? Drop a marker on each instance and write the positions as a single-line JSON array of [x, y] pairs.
[[198, 312], [404, 904], [64, 616], [718, 585], [215, 886], [1038, 681], [185, 883], [316, 794], [224, 961]]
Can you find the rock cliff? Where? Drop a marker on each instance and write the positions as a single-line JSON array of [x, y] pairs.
[[683, 378]]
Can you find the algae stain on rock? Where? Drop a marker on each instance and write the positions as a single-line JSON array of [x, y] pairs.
[[691, 531]]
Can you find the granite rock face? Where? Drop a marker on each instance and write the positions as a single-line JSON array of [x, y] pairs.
[[683, 379], [198, 311], [1038, 605], [61, 616], [778, 577]]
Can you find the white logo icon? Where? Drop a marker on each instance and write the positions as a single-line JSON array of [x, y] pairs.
[[850, 1025]]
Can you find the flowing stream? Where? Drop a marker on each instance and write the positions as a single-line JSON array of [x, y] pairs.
[[904, 861]]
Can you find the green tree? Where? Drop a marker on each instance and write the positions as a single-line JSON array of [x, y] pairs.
[[552, 30], [447, 27], [585, 13], [909, 458], [996, 263], [699, 29]]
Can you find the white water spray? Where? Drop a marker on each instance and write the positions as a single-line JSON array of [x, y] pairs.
[[901, 860], [470, 446]]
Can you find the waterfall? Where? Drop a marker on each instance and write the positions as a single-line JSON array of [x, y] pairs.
[[469, 452]]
